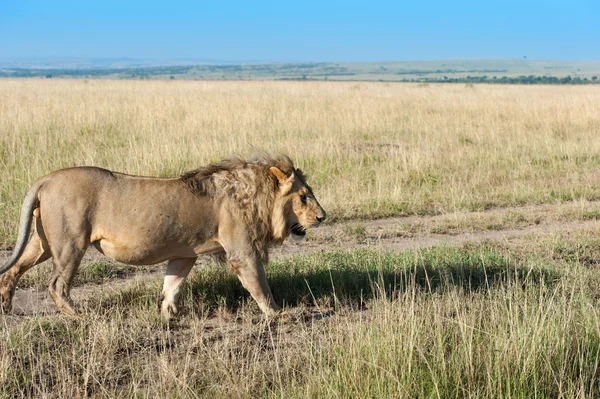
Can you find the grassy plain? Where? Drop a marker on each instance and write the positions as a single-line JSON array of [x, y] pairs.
[[371, 149], [516, 318]]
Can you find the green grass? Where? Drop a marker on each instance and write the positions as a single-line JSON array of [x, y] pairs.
[[477, 321], [100, 271], [593, 214]]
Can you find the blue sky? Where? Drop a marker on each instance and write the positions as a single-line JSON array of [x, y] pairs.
[[301, 31]]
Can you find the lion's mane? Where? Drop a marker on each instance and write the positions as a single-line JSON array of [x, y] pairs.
[[249, 188]]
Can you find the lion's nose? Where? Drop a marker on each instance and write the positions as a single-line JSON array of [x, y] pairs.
[[321, 218]]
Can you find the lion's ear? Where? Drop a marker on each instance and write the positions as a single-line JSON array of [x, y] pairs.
[[282, 178]]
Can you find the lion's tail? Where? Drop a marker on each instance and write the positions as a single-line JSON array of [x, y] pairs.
[[30, 202]]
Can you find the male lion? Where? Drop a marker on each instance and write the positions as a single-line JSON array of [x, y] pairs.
[[235, 209]]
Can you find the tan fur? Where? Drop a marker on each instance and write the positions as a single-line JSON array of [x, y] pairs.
[[236, 210]]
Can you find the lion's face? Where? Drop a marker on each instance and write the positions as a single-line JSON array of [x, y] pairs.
[[297, 208], [305, 212]]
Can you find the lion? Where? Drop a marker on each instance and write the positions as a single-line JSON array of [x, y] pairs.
[[235, 210]]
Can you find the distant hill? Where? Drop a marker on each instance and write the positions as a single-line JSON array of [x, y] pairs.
[[454, 70]]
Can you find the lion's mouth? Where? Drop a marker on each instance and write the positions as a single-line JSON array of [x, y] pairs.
[[298, 231]]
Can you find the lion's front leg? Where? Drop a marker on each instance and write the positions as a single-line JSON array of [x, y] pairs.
[[252, 275]]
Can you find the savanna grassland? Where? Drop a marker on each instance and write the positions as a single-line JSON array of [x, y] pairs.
[[504, 317], [371, 149]]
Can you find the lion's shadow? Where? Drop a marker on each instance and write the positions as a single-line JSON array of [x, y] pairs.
[[354, 287]]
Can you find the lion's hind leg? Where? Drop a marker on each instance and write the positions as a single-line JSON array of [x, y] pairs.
[[35, 253], [177, 271], [67, 259]]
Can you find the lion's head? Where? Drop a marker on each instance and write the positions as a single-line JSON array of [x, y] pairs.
[[295, 208], [269, 195]]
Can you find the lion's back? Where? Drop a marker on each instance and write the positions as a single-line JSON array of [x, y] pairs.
[[135, 216]]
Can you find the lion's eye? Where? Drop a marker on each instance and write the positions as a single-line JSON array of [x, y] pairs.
[[303, 198]]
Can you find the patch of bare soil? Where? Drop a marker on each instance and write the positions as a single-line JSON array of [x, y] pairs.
[[377, 233]]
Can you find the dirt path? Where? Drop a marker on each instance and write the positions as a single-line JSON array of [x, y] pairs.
[[387, 234], [391, 233]]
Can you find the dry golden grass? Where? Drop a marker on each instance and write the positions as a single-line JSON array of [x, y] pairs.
[[516, 318], [371, 149]]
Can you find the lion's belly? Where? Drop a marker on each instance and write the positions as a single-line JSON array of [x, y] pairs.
[[142, 254]]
